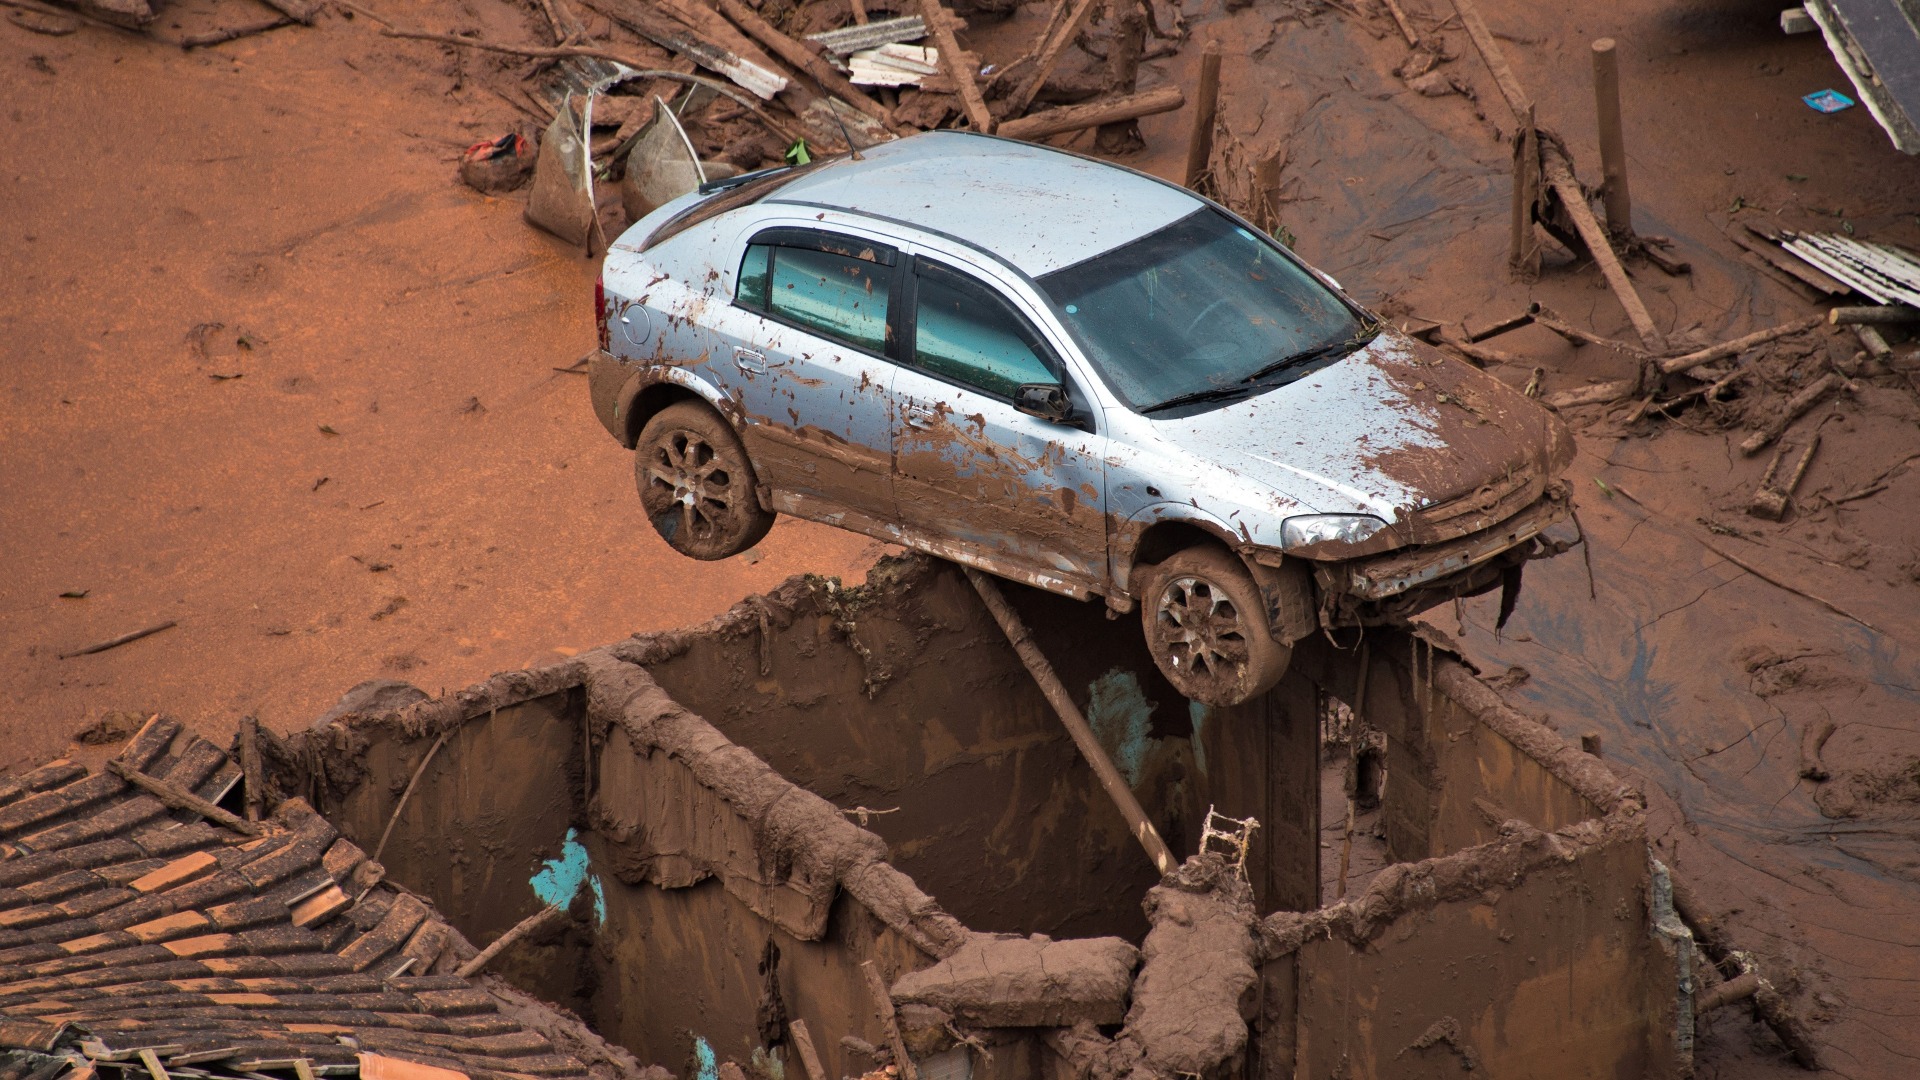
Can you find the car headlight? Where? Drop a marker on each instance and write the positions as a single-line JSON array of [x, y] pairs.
[[1320, 528]]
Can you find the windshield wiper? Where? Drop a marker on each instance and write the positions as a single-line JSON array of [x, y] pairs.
[[1251, 384], [1212, 393], [1318, 352]]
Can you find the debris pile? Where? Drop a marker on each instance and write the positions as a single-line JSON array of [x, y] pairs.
[[713, 91]]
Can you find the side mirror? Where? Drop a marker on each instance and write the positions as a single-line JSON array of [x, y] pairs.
[[1048, 401]]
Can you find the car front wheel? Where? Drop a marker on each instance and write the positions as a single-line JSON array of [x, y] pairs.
[[696, 483], [1206, 626]]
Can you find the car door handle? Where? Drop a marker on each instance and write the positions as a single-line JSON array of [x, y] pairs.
[[920, 416], [749, 361]]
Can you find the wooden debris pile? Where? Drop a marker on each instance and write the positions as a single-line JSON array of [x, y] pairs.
[[146, 933]]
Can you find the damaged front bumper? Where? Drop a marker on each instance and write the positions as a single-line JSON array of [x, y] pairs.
[[1459, 567]]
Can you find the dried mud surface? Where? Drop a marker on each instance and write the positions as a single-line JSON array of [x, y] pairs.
[[397, 485]]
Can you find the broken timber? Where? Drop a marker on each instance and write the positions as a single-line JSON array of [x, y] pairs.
[[808, 61], [960, 65], [1556, 172], [1094, 113], [1076, 724], [1056, 44]]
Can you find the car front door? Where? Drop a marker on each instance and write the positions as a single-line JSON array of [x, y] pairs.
[[802, 349], [1023, 495]]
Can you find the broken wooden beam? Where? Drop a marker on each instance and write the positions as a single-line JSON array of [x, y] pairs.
[[1070, 716], [1769, 500], [235, 33], [1726, 993], [883, 1009], [1878, 314], [1503, 78], [960, 66], [507, 940], [179, 798], [1796, 406], [676, 36], [1200, 142], [1050, 50], [803, 1046], [1558, 172], [812, 63], [1095, 113], [1737, 346]]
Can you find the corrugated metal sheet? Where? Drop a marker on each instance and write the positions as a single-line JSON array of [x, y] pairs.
[[1881, 272]]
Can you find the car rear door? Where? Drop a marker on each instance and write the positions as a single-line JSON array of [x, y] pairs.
[[1020, 493], [802, 348]]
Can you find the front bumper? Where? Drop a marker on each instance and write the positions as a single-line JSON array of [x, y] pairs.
[[1390, 575]]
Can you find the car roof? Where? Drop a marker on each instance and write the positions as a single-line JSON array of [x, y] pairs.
[[1038, 208]]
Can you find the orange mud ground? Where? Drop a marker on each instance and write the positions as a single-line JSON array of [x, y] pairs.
[[399, 485]]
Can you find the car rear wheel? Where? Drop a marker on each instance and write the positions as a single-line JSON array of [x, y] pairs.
[[696, 483], [1206, 626]]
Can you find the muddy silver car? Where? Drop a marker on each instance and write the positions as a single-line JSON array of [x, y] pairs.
[[1068, 374]]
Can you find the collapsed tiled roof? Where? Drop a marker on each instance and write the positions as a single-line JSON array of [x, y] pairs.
[[129, 926]]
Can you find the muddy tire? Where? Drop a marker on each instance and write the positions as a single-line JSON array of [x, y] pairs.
[[1206, 626], [696, 483]]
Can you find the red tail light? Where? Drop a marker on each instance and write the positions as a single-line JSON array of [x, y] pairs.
[[600, 313]]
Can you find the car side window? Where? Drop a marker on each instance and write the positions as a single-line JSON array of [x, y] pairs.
[[967, 332], [754, 267], [837, 296]]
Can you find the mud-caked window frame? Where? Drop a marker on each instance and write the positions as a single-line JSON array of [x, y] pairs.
[[754, 287]]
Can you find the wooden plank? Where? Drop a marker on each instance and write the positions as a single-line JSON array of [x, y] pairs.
[[1518, 103], [1095, 113], [960, 66], [1559, 175], [1200, 141]]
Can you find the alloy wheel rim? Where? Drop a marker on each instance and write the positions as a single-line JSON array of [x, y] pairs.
[[701, 486], [1204, 632]]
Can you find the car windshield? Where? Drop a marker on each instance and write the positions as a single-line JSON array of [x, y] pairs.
[[1201, 305]]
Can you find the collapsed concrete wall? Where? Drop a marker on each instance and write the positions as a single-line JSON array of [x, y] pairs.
[[670, 789]]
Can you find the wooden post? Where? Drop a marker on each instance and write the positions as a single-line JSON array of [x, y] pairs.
[[1613, 144], [1200, 143], [1266, 190], [252, 771], [507, 940], [1523, 251], [1070, 716]]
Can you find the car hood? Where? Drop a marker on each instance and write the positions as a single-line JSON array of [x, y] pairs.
[[1394, 427]]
